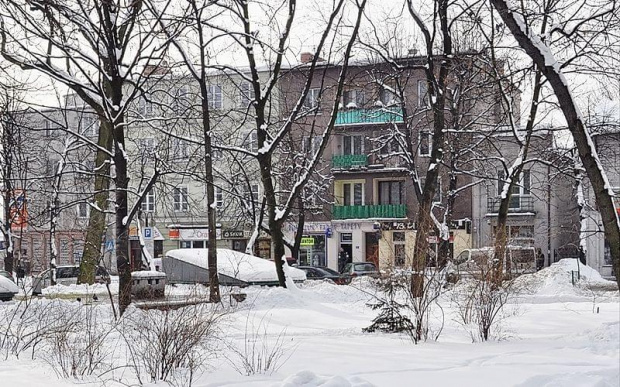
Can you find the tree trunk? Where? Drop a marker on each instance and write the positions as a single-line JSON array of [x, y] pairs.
[[95, 230], [540, 54]]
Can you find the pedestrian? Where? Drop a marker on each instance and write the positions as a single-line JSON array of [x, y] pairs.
[[21, 273], [343, 258], [582, 255], [540, 259]]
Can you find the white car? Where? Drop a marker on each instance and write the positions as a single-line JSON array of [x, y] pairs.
[[8, 289]]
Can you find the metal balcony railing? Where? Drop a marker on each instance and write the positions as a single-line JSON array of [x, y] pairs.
[[518, 204], [370, 211], [348, 161], [369, 116]]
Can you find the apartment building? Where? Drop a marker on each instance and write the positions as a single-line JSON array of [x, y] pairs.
[[372, 205]]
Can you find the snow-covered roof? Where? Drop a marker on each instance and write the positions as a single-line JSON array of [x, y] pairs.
[[237, 265]]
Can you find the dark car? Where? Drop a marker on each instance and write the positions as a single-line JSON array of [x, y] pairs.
[[324, 273], [356, 269]]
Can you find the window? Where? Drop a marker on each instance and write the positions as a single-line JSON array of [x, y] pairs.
[[391, 145], [180, 149], [219, 198], [353, 99], [145, 108], [352, 145], [180, 101], [422, 93], [438, 193], [391, 192], [192, 244], [353, 194], [180, 199], [82, 210], [313, 145], [425, 143], [388, 96], [251, 142], [148, 202], [398, 239], [245, 94], [89, 126], [312, 99], [520, 189], [251, 193], [215, 97]]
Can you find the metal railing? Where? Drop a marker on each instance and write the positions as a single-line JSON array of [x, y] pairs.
[[518, 204], [348, 161], [370, 211], [369, 116]]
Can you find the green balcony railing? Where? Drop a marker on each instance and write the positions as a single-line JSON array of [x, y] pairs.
[[373, 211], [348, 161], [369, 116]]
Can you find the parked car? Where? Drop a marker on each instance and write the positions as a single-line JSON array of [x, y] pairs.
[[8, 289], [476, 262], [356, 269], [66, 275], [324, 273]]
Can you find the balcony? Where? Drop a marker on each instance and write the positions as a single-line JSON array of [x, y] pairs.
[[518, 204], [369, 116], [349, 161], [373, 211]]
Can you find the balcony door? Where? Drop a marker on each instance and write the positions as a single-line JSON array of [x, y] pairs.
[[353, 194], [520, 197], [353, 145], [391, 192]]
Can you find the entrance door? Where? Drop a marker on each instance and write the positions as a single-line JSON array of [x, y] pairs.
[[372, 247], [346, 242]]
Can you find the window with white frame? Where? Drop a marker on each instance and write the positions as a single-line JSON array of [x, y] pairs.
[[251, 142], [312, 99], [422, 93], [180, 199], [425, 143], [82, 210], [353, 194], [215, 97], [180, 148], [145, 108], [353, 145], [353, 99], [89, 125], [180, 101], [521, 189], [148, 202], [245, 94]]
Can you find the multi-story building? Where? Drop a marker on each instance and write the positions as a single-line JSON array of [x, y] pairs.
[[542, 211], [596, 247], [372, 205]]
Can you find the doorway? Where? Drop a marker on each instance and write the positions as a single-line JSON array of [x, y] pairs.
[[372, 247], [346, 242]]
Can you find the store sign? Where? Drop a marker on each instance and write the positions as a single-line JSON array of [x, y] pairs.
[[311, 227], [432, 239], [133, 233], [233, 234], [307, 241], [174, 233], [148, 233], [347, 226], [398, 226]]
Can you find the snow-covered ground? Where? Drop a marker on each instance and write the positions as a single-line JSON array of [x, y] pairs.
[[555, 334]]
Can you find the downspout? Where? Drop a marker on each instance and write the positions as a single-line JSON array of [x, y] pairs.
[[548, 217]]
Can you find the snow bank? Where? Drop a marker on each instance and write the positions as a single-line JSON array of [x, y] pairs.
[[556, 281], [310, 379], [81, 289]]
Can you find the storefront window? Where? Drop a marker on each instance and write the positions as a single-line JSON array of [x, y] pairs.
[[192, 244], [312, 251]]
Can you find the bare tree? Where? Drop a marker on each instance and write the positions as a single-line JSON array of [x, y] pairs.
[[589, 26], [97, 51]]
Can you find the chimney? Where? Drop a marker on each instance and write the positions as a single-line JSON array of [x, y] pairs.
[[306, 57]]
